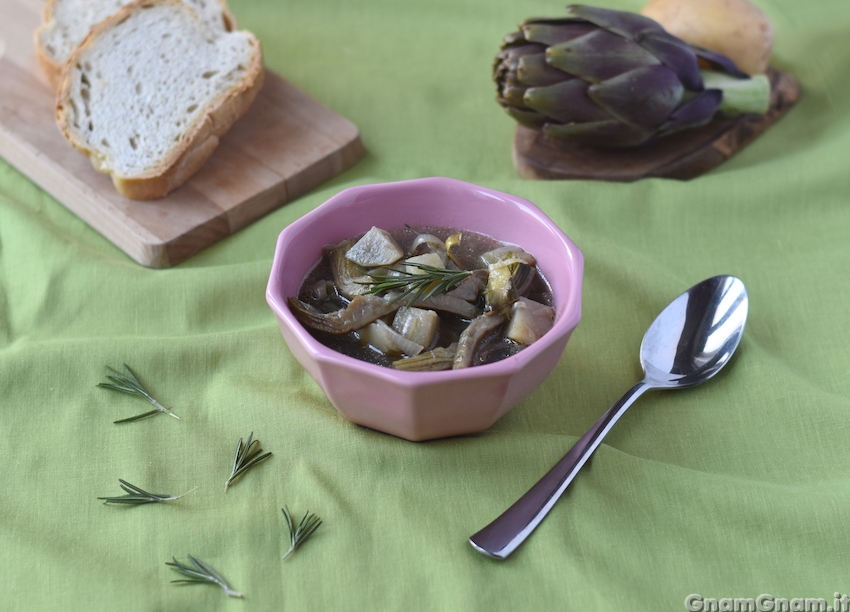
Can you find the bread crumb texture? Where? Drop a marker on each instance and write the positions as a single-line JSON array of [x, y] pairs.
[[139, 87]]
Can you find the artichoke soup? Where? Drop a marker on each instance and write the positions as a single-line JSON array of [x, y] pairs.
[[425, 298]]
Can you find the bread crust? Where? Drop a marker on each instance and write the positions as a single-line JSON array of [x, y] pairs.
[[201, 138], [49, 66], [52, 68]]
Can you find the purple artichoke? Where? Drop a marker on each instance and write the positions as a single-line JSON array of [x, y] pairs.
[[610, 78]]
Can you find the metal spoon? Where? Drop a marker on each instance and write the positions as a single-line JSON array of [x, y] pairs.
[[689, 342]]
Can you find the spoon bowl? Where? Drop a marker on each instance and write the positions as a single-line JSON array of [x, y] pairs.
[[695, 336], [687, 344]]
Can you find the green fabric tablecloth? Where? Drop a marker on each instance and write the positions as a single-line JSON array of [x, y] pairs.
[[735, 489]]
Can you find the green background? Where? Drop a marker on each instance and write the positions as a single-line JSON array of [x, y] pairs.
[[733, 489]]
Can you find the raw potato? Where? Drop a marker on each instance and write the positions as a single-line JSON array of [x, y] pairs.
[[736, 28]]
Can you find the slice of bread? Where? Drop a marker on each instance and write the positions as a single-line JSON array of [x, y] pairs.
[[149, 92], [65, 23]]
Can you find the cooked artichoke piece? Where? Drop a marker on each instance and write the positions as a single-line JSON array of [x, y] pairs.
[[362, 310], [428, 243], [348, 276], [376, 248], [451, 242], [440, 358], [511, 270], [452, 305], [321, 291], [507, 254], [481, 328], [470, 288], [417, 324], [499, 292], [384, 338], [523, 278], [506, 282], [529, 321]]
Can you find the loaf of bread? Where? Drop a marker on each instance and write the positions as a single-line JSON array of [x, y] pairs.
[[65, 23], [151, 89]]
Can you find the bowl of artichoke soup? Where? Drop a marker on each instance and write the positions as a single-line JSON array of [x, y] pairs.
[[426, 308]]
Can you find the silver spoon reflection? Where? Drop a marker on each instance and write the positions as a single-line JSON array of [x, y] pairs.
[[688, 343]]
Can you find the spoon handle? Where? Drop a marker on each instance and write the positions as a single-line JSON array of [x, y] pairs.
[[501, 537]]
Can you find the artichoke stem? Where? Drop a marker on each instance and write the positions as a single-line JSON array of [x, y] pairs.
[[740, 95]]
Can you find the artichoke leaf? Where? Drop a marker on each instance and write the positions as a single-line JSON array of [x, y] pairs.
[[514, 96], [598, 56], [566, 102], [629, 25], [513, 38], [677, 55], [528, 118], [645, 96], [434, 360], [471, 339], [518, 50], [348, 276], [720, 62], [553, 32], [534, 71], [361, 311], [694, 113]]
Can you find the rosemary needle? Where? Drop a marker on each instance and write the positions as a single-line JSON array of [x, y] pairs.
[[298, 535], [245, 459], [200, 573], [127, 382], [137, 496]]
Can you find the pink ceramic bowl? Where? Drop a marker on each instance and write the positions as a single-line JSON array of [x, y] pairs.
[[426, 405]]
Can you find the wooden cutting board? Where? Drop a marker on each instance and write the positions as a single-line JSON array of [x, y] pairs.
[[286, 144]]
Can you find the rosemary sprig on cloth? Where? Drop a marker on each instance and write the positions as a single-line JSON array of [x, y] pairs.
[[245, 459], [200, 573], [137, 496], [127, 382], [299, 534], [416, 286]]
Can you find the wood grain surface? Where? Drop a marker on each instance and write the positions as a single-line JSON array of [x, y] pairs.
[[286, 144], [682, 156]]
